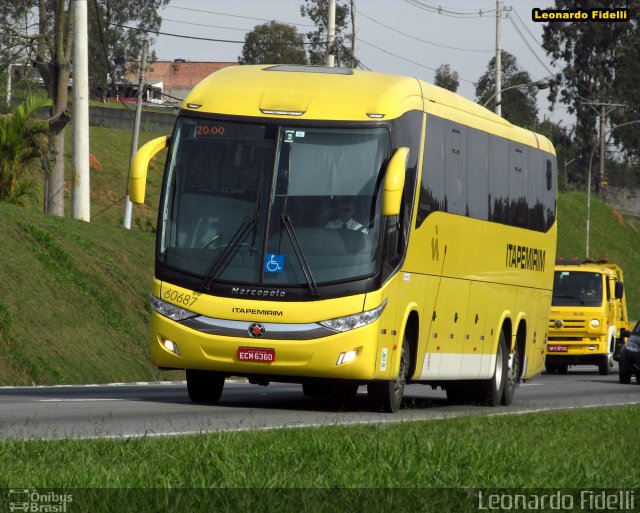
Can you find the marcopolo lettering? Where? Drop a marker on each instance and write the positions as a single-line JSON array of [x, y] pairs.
[[257, 311], [258, 292], [523, 257]]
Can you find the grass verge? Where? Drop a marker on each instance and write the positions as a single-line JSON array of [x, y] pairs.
[[546, 451]]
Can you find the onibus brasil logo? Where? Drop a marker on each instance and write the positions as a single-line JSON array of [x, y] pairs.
[[35, 501]]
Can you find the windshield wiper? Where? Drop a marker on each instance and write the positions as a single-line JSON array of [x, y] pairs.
[[306, 270], [228, 252]]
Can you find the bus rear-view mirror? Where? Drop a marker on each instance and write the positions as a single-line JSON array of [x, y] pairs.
[[394, 182], [139, 166]]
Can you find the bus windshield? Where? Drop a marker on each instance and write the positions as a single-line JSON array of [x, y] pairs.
[[272, 205], [577, 288]]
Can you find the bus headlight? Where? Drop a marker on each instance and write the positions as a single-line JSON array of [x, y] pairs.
[[351, 322], [595, 323], [173, 312]]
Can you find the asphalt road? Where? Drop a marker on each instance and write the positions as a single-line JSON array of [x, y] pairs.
[[163, 408]]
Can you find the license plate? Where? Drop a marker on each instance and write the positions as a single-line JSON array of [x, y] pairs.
[[558, 349], [254, 354]]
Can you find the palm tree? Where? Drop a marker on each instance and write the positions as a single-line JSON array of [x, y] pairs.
[[23, 143]]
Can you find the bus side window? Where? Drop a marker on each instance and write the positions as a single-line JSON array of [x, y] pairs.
[[391, 251]]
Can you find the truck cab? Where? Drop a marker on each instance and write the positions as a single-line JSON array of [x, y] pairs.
[[588, 315]]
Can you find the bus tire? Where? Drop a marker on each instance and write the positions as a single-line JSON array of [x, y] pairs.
[[551, 368], [386, 396], [563, 368], [338, 391], [458, 393], [344, 391], [625, 377], [204, 387], [491, 390], [604, 367], [513, 376], [314, 390]]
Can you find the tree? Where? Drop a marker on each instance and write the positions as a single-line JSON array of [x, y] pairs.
[[273, 43], [23, 144], [318, 13], [518, 103], [39, 31], [599, 64], [112, 40], [446, 78]]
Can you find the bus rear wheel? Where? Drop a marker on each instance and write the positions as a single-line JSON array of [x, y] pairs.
[[490, 391], [387, 395], [204, 386], [513, 376]]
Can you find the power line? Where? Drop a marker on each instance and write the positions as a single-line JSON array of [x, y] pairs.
[[462, 13], [510, 18], [276, 42], [405, 59], [512, 9], [419, 39], [205, 25], [234, 15], [207, 38]]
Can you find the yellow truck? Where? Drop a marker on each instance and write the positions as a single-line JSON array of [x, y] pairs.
[[588, 314]]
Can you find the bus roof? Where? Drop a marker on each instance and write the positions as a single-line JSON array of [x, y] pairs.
[[321, 93]]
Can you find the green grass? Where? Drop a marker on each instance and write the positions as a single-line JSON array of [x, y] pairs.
[[74, 302], [74, 296], [554, 450], [612, 235]]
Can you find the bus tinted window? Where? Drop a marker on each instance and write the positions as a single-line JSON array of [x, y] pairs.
[[470, 172]]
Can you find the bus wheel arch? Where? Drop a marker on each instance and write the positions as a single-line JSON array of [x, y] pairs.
[[411, 334], [386, 395]]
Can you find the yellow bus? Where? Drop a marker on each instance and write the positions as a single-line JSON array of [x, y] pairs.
[[337, 228]]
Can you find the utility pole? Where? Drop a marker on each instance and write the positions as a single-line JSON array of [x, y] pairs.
[[602, 113], [498, 108], [9, 86], [331, 33], [128, 206], [603, 124], [353, 33], [80, 192]]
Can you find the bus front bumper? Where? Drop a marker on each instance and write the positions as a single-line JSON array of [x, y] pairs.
[[347, 355]]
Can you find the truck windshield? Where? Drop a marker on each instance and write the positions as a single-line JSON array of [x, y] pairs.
[[577, 288], [307, 201]]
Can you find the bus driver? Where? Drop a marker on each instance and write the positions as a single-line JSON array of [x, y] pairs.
[[345, 218]]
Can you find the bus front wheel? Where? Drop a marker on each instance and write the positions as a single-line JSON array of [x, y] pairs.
[[387, 395], [204, 386]]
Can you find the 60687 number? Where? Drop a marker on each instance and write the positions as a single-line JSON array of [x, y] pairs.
[[180, 297]]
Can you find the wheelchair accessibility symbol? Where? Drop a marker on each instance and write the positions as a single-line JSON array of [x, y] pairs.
[[274, 263]]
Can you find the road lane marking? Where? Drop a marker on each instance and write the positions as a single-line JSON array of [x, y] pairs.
[[79, 400]]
